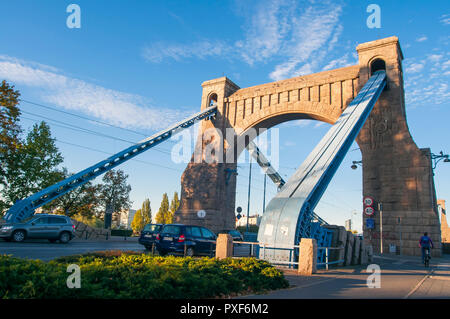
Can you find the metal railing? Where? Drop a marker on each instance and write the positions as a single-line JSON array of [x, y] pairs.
[[327, 262], [252, 249]]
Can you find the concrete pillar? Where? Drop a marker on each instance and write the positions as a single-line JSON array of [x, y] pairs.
[[356, 251], [349, 248], [224, 246], [308, 257], [363, 258], [342, 242]]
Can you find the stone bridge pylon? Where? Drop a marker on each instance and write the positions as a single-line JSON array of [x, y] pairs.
[[395, 171]]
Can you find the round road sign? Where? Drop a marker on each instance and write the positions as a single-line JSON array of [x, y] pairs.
[[368, 201], [369, 211], [201, 213]]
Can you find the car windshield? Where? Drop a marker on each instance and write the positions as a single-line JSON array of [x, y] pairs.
[[172, 229], [235, 233], [152, 228]]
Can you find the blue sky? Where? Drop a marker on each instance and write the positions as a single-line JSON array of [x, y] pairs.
[[139, 65]]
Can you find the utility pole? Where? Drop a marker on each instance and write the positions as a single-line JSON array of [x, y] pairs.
[[249, 185], [380, 209], [264, 197]]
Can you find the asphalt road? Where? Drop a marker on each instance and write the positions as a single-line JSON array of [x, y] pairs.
[[44, 250]]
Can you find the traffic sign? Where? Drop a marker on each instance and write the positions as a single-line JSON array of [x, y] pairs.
[[370, 223], [368, 201], [369, 211], [201, 213]]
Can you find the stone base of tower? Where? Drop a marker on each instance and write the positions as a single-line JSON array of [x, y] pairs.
[[402, 230]]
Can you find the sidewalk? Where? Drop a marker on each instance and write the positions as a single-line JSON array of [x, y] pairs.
[[401, 277], [110, 239]]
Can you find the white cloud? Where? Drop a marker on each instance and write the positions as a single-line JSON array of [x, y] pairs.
[[421, 39], [339, 63], [435, 57], [427, 80], [160, 51], [318, 124], [115, 107], [414, 67], [313, 28], [281, 30], [445, 19]]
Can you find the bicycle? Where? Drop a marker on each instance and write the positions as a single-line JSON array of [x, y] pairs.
[[427, 257]]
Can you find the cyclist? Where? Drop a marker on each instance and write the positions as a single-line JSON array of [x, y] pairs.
[[425, 243]]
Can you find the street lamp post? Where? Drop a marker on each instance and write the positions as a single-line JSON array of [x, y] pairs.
[[436, 158], [355, 163], [249, 188]]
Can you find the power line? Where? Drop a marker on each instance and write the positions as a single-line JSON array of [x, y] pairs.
[[84, 130], [108, 153], [83, 117]]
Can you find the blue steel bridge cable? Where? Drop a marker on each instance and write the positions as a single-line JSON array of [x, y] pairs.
[[92, 132], [108, 153]]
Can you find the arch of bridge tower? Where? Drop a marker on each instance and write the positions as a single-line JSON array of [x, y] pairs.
[[395, 171]]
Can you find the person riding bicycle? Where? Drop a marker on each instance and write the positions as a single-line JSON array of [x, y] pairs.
[[425, 243]]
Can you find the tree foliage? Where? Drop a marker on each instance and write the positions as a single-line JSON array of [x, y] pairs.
[[9, 128], [146, 212], [163, 215], [80, 202], [115, 192], [174, 204], [35, 167], [138, 221]]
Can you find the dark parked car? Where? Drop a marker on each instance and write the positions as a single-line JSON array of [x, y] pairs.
[[40, 226], [186, 240], [236, 234], [148, 235]]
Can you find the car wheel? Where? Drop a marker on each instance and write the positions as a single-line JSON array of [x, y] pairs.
[[189, 252], [64, 238], [18, 236]]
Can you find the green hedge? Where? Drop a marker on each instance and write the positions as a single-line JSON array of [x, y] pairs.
[[121, 232], [131, 275]]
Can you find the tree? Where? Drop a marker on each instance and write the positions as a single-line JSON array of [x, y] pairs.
[[82, 201], [163, 217], [9, 129], [174, 204], [138, 221], [146, 212], [36, 166], [115, 192]]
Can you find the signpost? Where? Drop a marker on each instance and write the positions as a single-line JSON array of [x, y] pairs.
[[380, 209], [369, 202]]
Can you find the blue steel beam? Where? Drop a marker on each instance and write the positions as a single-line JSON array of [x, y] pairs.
[[26, 207], [268, 169], [289, 215]]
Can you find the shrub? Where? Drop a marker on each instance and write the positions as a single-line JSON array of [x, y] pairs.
[[128, 275], [121, 232]]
